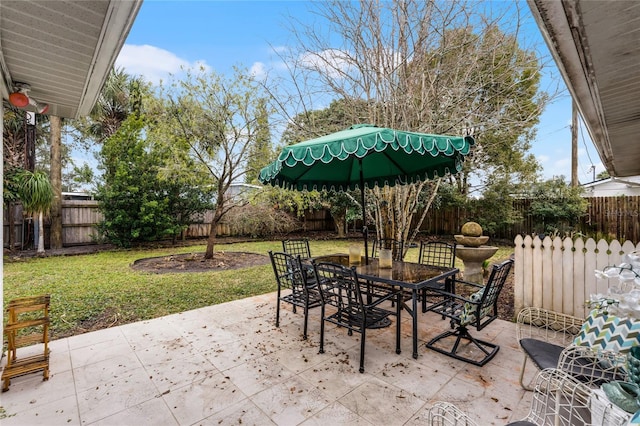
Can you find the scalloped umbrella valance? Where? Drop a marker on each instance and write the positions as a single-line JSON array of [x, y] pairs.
[[366, 155]]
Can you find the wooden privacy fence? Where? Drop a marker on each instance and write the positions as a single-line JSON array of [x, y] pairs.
[[610, 217], [80, 217], [558, 274]]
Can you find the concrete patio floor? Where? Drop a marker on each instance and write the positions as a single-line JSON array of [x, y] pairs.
[[229, 364]]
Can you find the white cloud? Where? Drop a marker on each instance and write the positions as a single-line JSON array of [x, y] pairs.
[[563, 164], [258, 70], [153, 63], [543, 159]]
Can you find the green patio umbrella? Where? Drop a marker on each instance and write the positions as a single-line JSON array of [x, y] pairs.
[[366, 155]]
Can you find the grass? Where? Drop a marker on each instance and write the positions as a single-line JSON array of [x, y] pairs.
[[94, 291]]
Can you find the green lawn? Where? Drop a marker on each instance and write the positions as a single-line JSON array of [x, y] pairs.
[[100, 290]]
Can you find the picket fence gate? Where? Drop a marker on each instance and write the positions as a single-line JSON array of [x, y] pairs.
[[558, 274]]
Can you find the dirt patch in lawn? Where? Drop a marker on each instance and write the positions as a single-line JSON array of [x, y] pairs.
[[195, 262]]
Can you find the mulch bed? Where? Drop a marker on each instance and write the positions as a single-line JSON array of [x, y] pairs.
[[195, 262]]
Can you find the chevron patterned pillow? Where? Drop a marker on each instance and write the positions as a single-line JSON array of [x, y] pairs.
[[608, 333]]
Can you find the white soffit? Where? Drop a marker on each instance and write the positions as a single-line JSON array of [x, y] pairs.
[[596, 45], [63, 49]]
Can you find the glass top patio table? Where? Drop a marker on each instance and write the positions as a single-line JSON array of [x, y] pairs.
[[408, 275]]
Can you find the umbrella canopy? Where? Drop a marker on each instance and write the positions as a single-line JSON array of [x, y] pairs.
[[366, 155]]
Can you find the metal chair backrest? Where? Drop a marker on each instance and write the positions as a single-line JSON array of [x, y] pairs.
[[298, 247], [339, 287], [396, 247], [487, 308], [288, 271], [437, 253]]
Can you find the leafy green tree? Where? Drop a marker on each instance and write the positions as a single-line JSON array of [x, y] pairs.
[[128, 199], [78, 177], [432, 67], [120, 96], [138, 199], [217, 119], [494, 210], [260, 152], [556, 206], [343, 208]]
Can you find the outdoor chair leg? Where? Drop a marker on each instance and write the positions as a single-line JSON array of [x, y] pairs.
[[524, 365], [462, 333], [398, 325], [322, 330], [362, 340], [306, 321], [278, 309]]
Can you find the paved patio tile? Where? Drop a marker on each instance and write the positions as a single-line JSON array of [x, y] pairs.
[[336, 414], [151, 412], [382, 403], [229, 364], [108, 398], [291, 402], [243, 413], [202, 398]]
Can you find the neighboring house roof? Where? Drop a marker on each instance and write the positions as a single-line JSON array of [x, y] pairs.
[[613, 187], [596, 47], [63, 50], [242, 189]]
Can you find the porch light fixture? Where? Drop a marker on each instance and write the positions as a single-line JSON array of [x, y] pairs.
[[20, 98]]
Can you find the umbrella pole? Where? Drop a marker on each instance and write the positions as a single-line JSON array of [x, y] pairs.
[[365, 230]]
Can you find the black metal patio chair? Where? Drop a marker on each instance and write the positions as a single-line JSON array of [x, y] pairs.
[[343, 304], [292, 280], [436, 253], [299, 247], [476, 310]]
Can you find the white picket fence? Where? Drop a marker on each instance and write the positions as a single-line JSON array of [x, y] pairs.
[[558, 274]]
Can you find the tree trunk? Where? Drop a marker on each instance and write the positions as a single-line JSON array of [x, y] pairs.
[[213, 232], [12, 225], [56, 182], [40, 249], [340, 222]]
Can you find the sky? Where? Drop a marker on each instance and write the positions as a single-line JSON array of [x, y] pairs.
[[168, 35]]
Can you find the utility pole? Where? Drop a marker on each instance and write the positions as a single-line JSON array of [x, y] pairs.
[[574, 144]]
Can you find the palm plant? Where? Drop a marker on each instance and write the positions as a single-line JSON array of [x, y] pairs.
[[36, 193], [120, 97]]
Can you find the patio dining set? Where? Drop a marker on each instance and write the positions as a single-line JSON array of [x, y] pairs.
[[577, 366], [362, 293]]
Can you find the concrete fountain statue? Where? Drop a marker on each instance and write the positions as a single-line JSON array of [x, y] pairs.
[[472, 251]]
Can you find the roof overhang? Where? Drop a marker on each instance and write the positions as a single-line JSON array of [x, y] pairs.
[[63, 49], [596, 45]]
